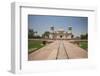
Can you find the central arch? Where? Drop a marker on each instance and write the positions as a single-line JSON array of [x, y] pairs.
[[60, 36]]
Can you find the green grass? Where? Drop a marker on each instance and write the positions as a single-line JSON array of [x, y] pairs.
[[34, 44], [84, 45]]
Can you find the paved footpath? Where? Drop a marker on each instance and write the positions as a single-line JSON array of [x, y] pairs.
[[47, 52], [75, 51], [62, 53], [59, 49]]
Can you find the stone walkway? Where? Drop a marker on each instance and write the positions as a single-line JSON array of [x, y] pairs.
[[59, 49], [75, 52], [62, 53]]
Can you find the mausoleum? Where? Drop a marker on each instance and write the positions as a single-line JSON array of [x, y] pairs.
[[60, 33]]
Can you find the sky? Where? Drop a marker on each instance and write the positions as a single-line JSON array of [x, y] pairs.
[[42, 23]]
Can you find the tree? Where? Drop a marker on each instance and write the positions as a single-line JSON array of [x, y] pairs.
[[46, 34], [72, 36], [30, 33], [84, 36]]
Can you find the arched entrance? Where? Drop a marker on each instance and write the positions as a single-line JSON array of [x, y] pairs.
[[60, 36]]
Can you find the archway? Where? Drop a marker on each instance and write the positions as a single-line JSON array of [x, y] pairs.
[[60, 36]]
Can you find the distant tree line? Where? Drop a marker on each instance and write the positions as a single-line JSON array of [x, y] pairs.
[[33, 34], [30, 33], [84, 36], [46, 34]]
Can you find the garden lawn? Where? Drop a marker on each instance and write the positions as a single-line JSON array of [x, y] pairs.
[[34, 44], [84, 45]]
